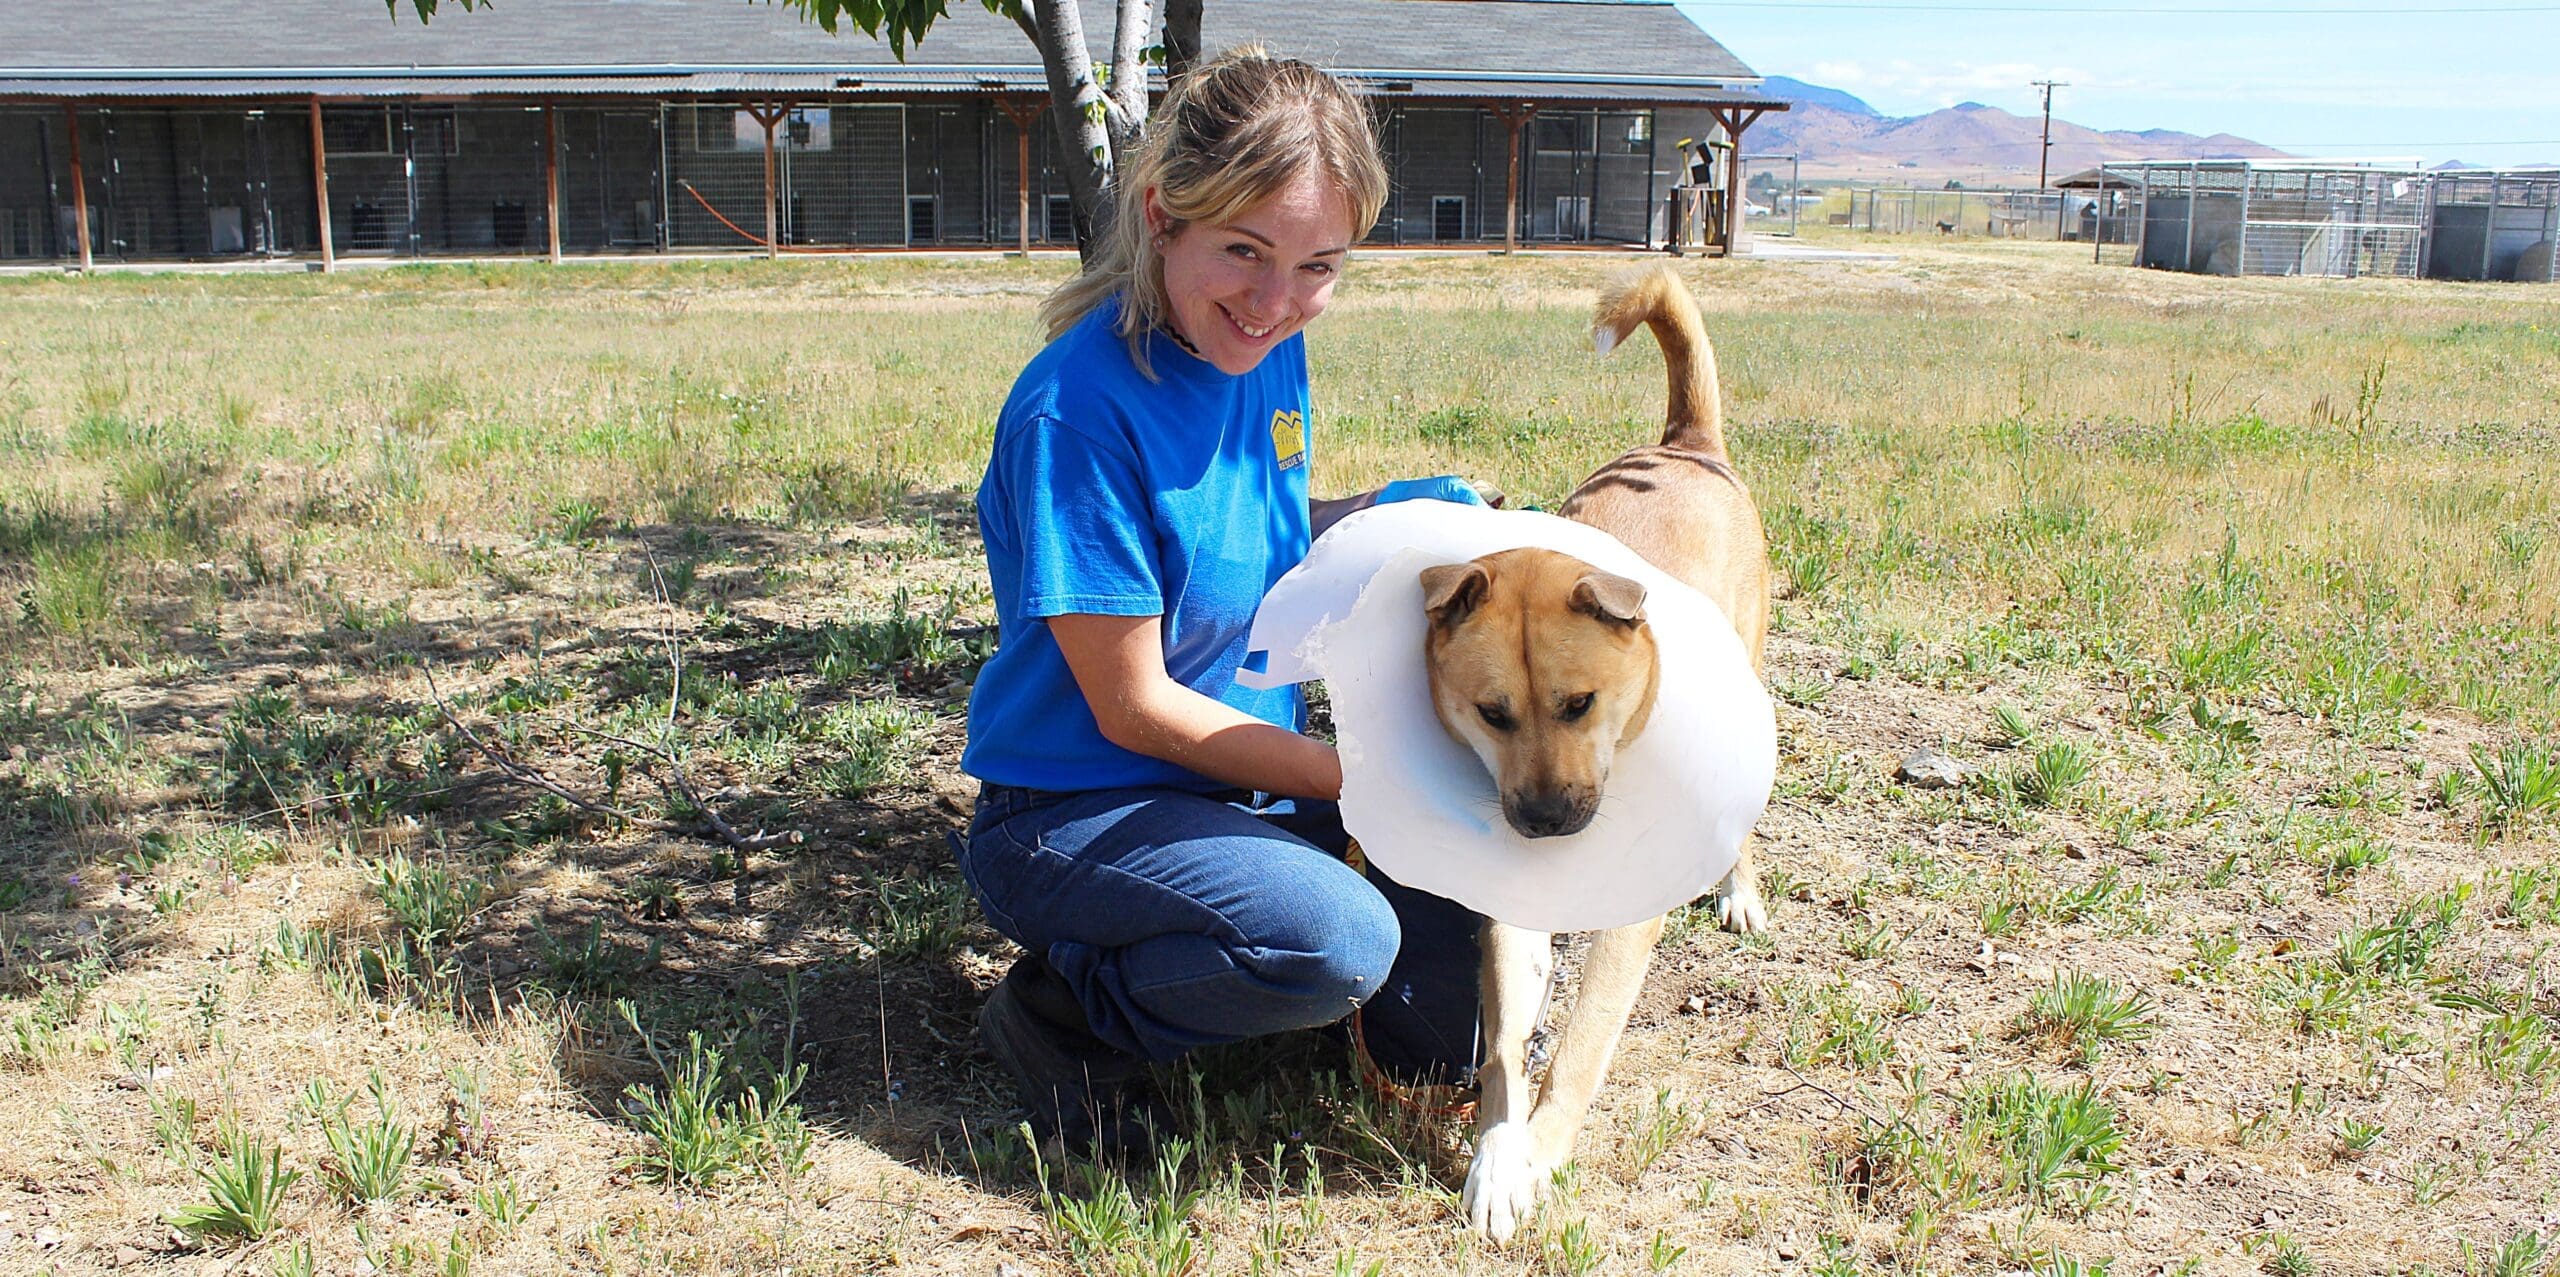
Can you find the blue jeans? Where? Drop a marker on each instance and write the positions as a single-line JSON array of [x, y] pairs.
[[1184, 920]]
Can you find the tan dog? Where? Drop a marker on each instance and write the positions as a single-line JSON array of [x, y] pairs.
[[1545, 667]]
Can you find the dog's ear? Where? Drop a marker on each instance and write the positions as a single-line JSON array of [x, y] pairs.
[[1604, 597], [1452, 592]]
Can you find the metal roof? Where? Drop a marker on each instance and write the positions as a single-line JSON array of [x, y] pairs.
[[397, 88], [1553, 91], [1601, 49]]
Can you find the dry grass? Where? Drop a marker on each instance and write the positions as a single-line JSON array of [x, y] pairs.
[[2233, 956]]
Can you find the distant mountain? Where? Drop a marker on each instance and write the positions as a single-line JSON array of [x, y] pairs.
[[1794, 90], [1835, 134]]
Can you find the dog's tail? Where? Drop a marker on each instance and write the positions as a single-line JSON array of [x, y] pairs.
[[1657, 298]]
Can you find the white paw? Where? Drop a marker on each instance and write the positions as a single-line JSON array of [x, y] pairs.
[[1503, 1181], [1740, 907]]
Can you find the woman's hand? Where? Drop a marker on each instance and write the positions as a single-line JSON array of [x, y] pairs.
[[1118, 662], [1447, 487]]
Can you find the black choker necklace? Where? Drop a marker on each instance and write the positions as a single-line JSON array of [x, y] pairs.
[[1180, 340]]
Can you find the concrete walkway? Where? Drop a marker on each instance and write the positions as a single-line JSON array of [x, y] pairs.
[[1763, 248], [1769, 248]]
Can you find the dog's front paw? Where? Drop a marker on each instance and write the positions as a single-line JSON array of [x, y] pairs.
[[1740, 908], [1502, 1183]]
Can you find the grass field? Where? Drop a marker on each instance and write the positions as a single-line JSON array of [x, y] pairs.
[[2232, 952]]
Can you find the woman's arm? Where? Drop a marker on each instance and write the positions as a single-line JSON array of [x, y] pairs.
[[1118, 662], [1322, 514]]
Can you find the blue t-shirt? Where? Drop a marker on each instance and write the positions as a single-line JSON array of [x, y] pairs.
[[1183, 498]]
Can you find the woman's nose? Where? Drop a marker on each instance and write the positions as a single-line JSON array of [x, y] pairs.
[[1270, 294]]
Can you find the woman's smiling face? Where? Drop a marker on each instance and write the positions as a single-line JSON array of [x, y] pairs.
[[1241, 288]]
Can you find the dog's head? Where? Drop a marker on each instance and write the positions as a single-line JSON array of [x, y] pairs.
[[1544, 666]]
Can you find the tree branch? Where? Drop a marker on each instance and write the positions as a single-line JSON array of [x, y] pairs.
[[1181, 38], [1129, 69]]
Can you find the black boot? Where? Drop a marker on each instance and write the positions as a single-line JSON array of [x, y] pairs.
[[1083, 1095]]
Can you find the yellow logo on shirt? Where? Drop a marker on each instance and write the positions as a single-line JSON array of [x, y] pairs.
[[1289, 438]]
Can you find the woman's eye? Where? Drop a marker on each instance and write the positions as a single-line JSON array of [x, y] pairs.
[[1577, 707], [1242, 251], [1495, 717], [1318, 268]]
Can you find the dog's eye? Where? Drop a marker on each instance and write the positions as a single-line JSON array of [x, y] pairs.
[[1495, 717], [1576, 708]]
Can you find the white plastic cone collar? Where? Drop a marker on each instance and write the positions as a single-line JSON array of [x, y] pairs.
[[1679, 799]]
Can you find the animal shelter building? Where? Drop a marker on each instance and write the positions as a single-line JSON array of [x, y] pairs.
[[170, 130]]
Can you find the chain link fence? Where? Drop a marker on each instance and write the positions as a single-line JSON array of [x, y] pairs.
[[2240, 218], [2001, 214]]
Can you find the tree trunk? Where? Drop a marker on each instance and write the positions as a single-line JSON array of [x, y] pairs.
[[1077, 107], [1181, 37], [1095, 124]]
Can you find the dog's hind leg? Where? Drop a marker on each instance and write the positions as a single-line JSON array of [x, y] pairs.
[[1504, 1179], [1611, 977], [1739, 905]]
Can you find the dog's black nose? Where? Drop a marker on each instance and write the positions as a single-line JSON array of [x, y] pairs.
[[1545, 815]]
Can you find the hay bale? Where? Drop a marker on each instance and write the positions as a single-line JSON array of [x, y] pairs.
[[2533, 266]]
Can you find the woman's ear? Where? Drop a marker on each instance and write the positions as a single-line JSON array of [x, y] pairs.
[[1159, 222]]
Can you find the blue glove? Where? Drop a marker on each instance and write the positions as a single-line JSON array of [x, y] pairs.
[[1446, 487]]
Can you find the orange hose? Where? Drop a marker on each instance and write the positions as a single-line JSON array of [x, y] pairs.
[[757, 240]]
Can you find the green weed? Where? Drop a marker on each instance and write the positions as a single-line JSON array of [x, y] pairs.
[[504, 1204], [2084, 1012], [2522, 1255], [1665, 1123], [2518, 783], [705, 1124], [370, 1159], [1110, 1228], [2282, 1256], [905, 642], [2058, 769], [878, 742], [247, 1184], [591, 963], [925, 916]]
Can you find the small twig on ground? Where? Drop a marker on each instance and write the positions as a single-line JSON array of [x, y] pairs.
[[525, 774], [1804, 1083]]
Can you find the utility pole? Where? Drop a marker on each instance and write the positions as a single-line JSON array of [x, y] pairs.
[[2044, 154]]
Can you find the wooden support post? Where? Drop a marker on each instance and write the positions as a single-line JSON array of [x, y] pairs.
[[79, 186], [770, 114], [1025, 117], [320, 187], [1516, 119], [1716, 220], [1735, 121], [551, 176]]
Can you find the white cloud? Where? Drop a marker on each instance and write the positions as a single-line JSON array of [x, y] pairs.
[[1934, 85]]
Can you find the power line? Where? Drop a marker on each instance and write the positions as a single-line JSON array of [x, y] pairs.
[[2373, 146], [2140, 10]]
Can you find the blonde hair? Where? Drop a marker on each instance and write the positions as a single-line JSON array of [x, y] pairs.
[[1230, 134]]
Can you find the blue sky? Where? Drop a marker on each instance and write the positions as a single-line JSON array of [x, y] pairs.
[[2471, 86]]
